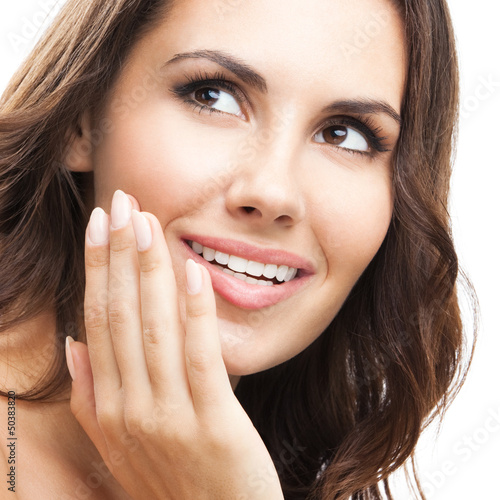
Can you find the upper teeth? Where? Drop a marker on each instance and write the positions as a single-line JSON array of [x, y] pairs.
[[239, 265]]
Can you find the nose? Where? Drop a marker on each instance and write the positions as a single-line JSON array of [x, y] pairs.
[[266, 189]]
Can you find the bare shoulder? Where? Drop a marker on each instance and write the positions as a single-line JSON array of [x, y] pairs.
[[26, 461], [49, 457]]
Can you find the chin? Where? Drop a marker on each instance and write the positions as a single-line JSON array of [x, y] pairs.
[[239, 359], [246, 358]]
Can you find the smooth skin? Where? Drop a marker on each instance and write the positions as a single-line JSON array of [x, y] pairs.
[[148, 361]]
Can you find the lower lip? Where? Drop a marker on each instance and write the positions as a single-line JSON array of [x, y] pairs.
[[244, 294]]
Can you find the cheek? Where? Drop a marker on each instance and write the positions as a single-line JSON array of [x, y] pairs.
[[355, 217], [162, 159]]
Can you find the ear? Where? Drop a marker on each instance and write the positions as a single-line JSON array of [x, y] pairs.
[[78, 155]]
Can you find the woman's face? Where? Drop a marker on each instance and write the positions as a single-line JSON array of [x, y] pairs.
[[285, 162]]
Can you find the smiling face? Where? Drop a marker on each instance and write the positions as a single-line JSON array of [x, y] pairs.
[[281, 162]]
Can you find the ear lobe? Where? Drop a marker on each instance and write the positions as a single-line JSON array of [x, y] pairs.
[[78, 155]]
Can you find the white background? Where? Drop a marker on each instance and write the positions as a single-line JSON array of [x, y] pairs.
[[464, 461]]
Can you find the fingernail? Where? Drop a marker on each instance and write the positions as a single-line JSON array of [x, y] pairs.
[[121, 210], [142, 231], [98, 227], [69, 357], [193, 277]]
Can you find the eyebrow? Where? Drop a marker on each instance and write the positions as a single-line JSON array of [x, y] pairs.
[[248, 75], [363, 107], [231, 63]]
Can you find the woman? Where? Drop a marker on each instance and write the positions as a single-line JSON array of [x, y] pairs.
[[276, 178]]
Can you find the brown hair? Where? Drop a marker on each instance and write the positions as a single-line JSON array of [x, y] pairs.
[[345, 413]]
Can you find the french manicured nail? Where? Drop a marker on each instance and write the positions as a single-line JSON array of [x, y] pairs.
[[142, 231], [98, 227], [69, 357], [121, 210], [193, 277]]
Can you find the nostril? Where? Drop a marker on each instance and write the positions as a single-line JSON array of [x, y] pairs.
[[284, 219], [248, 210]]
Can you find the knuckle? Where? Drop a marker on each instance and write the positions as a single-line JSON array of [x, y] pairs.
[[96, 258], [149, 265], [196, 311], [199, 361], [118, 313], [218, 439], [134, 423], [152, 333], [177, 434], [95, 316], [121, 243]]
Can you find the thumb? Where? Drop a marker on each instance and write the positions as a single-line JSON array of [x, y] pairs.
[[82, 393]]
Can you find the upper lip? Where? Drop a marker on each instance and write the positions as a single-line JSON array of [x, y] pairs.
[[253, 253]]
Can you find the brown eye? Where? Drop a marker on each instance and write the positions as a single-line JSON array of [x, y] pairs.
[[343, 137], [336, 134], [207, 96], [218, 99]]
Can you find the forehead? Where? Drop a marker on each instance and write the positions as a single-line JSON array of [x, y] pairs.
[[353, 48]]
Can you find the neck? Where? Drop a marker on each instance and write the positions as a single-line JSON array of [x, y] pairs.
[[26, 352]]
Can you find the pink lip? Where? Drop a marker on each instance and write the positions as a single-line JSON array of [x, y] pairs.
[[250, 252], [244, 294]]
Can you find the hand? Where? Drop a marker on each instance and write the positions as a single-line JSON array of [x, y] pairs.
[[154, 395]]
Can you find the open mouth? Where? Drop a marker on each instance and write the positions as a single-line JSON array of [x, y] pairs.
[[251, 272]]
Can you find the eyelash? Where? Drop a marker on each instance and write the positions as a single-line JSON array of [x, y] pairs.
[[362, 124], [201, 80]]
